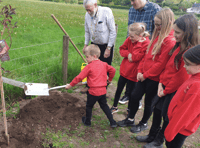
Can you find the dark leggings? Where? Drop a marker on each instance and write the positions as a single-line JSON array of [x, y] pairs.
[[120, 86], [91, 100], [177, 142], [148, 87], [160, 111]]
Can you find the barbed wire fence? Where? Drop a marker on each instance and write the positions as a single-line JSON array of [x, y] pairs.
[[41, 63]]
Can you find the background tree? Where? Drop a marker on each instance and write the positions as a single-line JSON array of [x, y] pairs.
[[184, 5], [126, 3], [117, 2], [105, 1]]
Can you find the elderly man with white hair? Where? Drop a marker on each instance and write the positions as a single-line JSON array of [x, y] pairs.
[[100, 29]]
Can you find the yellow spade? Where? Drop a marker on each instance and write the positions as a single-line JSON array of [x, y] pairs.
[[82, 67]]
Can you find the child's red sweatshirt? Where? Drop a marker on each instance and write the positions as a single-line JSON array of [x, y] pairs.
[[184, 109], [152, 69], [138, 49], [172, 78], [96, 73]]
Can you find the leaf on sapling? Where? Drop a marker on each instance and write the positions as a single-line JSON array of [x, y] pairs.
[[6, 21]]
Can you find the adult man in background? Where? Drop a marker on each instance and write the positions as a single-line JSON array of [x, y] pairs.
[[100, 30], [141, 11]]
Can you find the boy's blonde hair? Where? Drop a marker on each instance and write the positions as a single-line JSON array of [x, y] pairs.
[[93, 50], [166, 16], [139, 29]]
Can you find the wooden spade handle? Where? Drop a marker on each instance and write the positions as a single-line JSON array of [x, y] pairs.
[[69, 37], [57, 87]]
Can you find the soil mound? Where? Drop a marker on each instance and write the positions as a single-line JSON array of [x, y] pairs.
[[56, 111]]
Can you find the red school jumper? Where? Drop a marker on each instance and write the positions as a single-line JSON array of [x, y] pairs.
[[150, 68], [138, 49], [96, 73], [184, 109], [172, 78]]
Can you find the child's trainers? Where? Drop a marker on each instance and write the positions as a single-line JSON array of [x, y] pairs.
[[124, 100], [126, 122], [114, 124], [85, 122], [114, 110]]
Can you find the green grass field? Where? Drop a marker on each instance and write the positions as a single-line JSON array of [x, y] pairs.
[[36, 51]]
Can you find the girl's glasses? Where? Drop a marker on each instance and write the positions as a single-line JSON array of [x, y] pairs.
[[158, 25]]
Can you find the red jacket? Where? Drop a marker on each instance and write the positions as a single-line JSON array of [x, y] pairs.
[[96, 73], [129, 69], [172, 78], [152, 69], [184, 109]]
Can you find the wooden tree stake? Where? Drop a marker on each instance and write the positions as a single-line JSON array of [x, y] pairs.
[[3, 106]]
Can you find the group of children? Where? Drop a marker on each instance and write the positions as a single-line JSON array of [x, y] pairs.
[[166, 69]]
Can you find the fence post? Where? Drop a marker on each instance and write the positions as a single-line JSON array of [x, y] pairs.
[[116, 29], [65, 57]]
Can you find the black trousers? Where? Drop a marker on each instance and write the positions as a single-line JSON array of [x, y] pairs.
[[177, 142], [148, 87], [120, 86], [103, 48], [127, 91], [91, 100], [160, 111]]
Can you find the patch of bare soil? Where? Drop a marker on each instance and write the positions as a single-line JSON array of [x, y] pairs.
[[55, 112], [59, 110]]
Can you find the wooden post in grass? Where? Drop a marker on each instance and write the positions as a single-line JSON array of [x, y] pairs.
[[116, 29], [3, 106], [65, 57], [69, 37]]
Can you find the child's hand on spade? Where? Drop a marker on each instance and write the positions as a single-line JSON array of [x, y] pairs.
[[68, 86]]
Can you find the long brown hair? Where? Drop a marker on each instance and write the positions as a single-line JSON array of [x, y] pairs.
[[167, 18], [189, 25]]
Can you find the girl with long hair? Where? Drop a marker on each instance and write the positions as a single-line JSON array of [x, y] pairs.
[[150, 68], [173, 76], [184, 108]]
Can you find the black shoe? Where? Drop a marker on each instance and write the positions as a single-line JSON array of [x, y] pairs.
[[153, 144], [114, 110], [157, 142], [138, 128], [85, 122], [146, 138], [114, 124], [150, 137], [125, 122], [124, 100]]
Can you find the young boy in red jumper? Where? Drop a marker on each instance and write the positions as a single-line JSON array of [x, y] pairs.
[[184, 109], [96, 73]]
